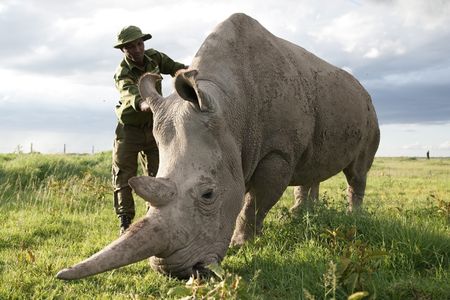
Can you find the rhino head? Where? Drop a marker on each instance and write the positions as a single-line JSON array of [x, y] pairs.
[[196, 195]]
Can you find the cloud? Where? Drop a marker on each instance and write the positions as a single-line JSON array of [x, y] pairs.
[[414, 139], [57, 56], [397, 51], [415, 146], [420, 146], [444, 146], [59, 118], [412, 103]]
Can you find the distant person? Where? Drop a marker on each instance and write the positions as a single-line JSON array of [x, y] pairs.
[[428, 154], [133, 136]]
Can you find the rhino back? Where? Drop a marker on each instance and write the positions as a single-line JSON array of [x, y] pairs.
[[288, 100]]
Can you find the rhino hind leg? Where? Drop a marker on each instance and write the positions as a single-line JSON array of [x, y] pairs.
[[267, 185], [355, 192], [314, 191], [304, 197], [356, 171], [356, 175]]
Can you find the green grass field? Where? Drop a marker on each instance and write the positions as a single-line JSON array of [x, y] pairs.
[[56, 210]]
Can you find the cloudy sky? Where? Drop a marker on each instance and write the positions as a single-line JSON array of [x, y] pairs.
[[57, 62]]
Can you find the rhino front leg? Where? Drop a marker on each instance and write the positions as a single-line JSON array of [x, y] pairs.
[[267, 185], [304, 197]]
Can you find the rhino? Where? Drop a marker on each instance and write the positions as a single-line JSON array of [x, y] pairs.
[[304, 198], [252, 115]]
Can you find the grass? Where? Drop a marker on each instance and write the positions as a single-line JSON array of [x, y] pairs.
[[57, 210]]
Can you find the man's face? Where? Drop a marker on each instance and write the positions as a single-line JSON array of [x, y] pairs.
[[135, 51]]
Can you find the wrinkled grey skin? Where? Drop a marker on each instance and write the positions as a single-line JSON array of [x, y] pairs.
[[254, 115]]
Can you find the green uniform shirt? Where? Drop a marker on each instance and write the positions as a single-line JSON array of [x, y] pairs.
[[126, 79]]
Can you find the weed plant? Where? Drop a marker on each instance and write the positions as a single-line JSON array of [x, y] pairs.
[[56, 210]]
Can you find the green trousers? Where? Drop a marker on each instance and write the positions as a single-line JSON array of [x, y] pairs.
[[130, 144]]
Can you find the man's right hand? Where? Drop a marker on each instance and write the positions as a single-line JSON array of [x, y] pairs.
[[144, 106]]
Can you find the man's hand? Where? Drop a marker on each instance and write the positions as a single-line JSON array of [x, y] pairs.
[[181, 70], [144, 106]]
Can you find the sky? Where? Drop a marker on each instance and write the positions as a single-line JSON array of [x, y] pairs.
[[57, 62]]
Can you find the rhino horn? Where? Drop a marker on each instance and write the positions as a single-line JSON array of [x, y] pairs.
[[187, 87], [143, 239], [156, 191], [147, 89]]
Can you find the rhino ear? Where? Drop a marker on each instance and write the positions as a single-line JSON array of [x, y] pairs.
[[186, 86], [147, 89]]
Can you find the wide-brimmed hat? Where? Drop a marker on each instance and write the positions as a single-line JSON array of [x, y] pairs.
[[129, 34]]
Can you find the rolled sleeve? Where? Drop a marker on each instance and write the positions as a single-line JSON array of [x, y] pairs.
[[168, 65], [129, 92]]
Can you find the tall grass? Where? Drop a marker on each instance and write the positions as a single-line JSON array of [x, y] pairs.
[[56, 210]]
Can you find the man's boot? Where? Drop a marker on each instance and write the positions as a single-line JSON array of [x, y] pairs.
[[125, 222]]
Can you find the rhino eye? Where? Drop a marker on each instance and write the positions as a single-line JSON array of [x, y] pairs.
[[207, 203], [207, 195]]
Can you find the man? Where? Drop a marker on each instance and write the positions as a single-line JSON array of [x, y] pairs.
[[134, 129]]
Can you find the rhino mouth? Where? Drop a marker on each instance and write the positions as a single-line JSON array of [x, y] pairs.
[[185, 270], [201, 270]]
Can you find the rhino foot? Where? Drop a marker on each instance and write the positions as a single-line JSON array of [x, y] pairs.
[[240, 237], [296, 210], [238, 241]]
